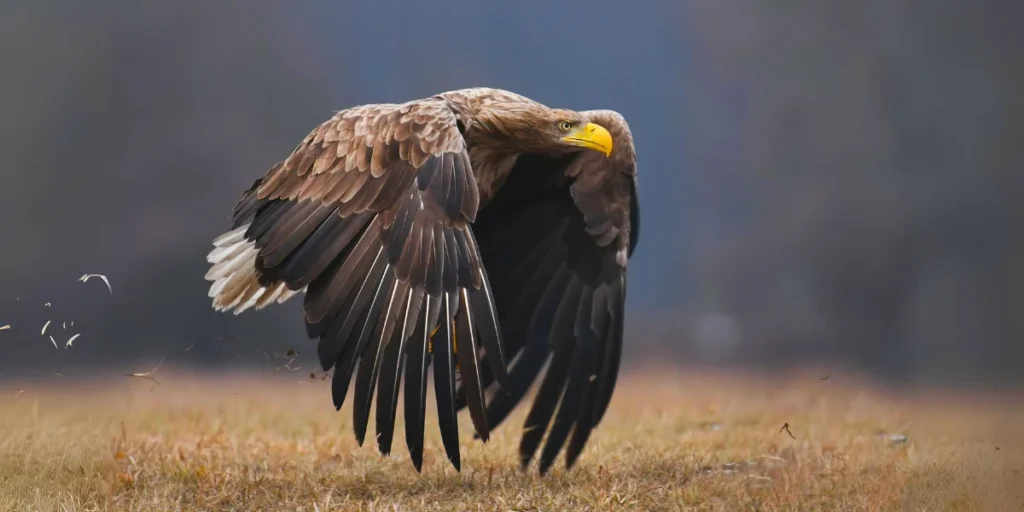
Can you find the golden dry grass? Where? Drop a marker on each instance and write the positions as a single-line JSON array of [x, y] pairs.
[[671, 441]]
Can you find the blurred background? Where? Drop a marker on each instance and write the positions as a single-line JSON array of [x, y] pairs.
[[823, 182]]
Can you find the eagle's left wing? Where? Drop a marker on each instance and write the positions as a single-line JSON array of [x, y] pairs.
[[371, 215]]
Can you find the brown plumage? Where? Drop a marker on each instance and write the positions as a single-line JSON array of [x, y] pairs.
[[476, 215]]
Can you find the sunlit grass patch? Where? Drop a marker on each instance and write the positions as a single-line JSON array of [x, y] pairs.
[[671, 441]]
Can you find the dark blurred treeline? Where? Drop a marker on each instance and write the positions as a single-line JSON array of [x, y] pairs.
[[821, 180]]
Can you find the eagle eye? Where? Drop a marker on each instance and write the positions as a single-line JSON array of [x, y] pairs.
[[565, 126]]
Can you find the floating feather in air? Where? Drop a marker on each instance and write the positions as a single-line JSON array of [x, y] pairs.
[[106, 281]]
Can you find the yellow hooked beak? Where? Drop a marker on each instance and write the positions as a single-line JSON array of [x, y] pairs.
[[592, 136]]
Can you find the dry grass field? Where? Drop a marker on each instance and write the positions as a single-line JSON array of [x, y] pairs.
[[671, 441]]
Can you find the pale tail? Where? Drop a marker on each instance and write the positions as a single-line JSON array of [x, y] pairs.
[[235, 285]]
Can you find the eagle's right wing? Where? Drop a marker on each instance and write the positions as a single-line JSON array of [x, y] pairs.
[[556, 240], [371, 215]]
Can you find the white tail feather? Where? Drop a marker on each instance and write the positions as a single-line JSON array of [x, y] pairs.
[[233, 272]]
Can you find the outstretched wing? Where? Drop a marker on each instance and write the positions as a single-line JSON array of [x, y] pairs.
[[556, 240], [370, 215]]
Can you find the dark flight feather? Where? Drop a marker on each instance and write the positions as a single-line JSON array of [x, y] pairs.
[[417, 360], [444, 383]]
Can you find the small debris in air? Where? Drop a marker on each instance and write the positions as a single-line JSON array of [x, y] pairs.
[[149, 375], [785, 427]]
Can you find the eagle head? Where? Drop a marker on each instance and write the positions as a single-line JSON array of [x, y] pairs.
[[535, 128]]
